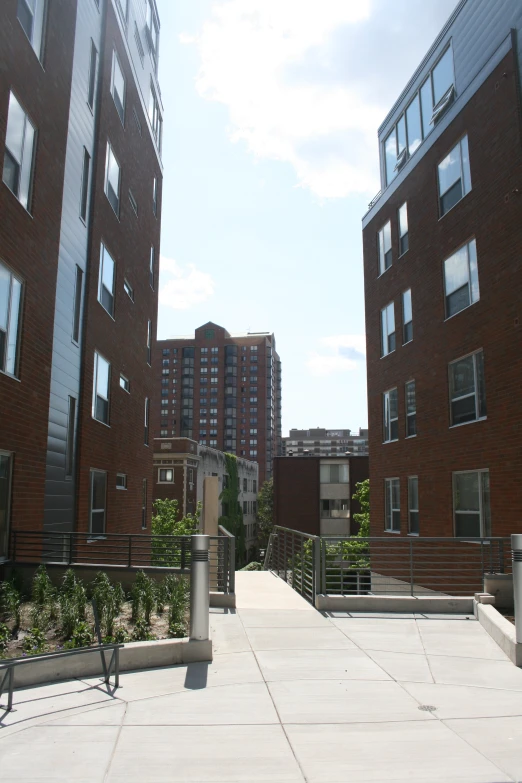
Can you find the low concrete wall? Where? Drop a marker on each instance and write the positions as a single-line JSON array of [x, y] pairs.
[[500, 586], [500, 630], [224, 600], [394, 603], [134, 656]]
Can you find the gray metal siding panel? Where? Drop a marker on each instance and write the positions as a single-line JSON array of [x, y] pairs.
[[65, 371]]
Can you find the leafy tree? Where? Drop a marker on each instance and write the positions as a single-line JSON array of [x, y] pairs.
[[166, 522], [362, 495], [232, 517], [265, 512]]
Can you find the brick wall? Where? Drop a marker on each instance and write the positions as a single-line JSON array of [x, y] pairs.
[[490, 213], [122, 340], [29, 243]]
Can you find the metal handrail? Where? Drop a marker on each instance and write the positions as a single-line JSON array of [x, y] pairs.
[[393, 565]]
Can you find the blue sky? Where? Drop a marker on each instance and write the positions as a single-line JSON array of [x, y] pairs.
[[271, 110]]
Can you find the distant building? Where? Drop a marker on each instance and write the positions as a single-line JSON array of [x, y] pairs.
[[325, 443], [443, 282], [313, 494], [181, 464], [221, 390]]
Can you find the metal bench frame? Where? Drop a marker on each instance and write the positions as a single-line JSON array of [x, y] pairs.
[[7, 667]]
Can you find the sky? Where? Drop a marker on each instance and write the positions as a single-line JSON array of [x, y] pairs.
[[270, 153]]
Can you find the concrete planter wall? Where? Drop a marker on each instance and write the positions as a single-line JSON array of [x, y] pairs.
[[501, 586], [135, 655], [500, 630]]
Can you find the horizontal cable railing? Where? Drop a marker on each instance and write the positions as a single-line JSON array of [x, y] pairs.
[[126, 551], [392, 565]]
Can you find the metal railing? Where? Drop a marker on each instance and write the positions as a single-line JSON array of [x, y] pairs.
[[125, 551], [393, 565]]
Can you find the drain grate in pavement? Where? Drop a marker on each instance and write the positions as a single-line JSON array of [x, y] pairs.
[[427, 708]]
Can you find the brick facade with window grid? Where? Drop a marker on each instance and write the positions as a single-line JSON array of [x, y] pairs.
[[490, 215]]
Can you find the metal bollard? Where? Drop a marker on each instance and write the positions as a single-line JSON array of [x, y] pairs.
[[516, 547], [199, 588]]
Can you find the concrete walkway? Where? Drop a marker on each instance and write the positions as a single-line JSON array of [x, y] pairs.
[[291, 695]]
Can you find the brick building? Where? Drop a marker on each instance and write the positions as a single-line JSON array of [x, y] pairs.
[[222, 390], [181, 465], [313, 494], [443, 279], [325, 442], [80, 198]]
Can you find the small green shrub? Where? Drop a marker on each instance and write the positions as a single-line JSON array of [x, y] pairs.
[[34, 642], [73, 603], [109, 599], [10, 601], [253, 566], [143, 597], [119, 636], [177, 594], [141, 632], [177, 630], [44, 600], [5, 636], [82, 636]]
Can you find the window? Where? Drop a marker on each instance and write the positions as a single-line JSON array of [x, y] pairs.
[[97, 521], [335, 509], [471, 503], [166, 476], [5, 498], [334, 474], [423, 112], [214, 370], [101, 389], [77, 305], [128, 289], [407, 317], [69, 449], [461, 285], [203, 370], [91, 88], [151, 267], [149, 342], [121, 481], [454, 176], [155, 116], [385, 248], [391, 416], [245, 507], [118, 87], [388, 329], [133, 202], [85, 185], [19, 152], [411, 409], [413, 505], [403, 229], [137, 120], [210, 333], [155, 195], [123, 7], [467, 389], [124, 383], [31, 15], [165, 351], [10, 305], [152, 31], [139, 45], [213, 443], [106, 281], [146, 422], [112, 180], [245, 485], [392, 502], [144, 504], [253, 452]]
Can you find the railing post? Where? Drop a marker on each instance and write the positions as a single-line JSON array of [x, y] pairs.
[[501, 556], [516, 548], [317, 566], [232, 564], [411, 567], [199, 588], [13, 533], [129, 562], [183, 558], [70, 548]]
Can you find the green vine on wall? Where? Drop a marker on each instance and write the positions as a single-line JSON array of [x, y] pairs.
[[232, 517]]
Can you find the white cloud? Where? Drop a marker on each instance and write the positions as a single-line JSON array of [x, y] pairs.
[[185, 286], [340, 353], [307, 82]]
